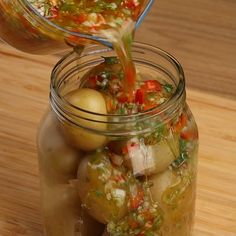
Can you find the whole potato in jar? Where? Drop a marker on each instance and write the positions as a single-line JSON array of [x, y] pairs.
[[160, 182], [64, 215], [102, 188], [58, 161], [91, 101], [176, 195]]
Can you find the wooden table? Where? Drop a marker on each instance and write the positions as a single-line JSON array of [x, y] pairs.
[[202, 35]]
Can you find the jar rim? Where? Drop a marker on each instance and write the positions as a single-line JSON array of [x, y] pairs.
[[60, 105]]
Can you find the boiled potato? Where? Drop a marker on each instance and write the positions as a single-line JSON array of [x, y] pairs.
[[160, 183], [58, 161], [175, 196], [162, 155], [60, 210], [91, 101], [64, 215], [104, 197]]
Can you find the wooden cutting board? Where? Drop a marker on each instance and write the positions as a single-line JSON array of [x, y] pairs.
[[24, 82]]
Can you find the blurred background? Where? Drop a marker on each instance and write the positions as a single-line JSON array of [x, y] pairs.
[[201, 34]]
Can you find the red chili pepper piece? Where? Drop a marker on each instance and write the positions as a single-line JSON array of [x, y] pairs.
[[181, 123], [54, 12], [136, 201], [137, 12], [152, 86], [92, 81], [130, 4], [133, 224], [125, 150], [140, 96], [123, 98], [148, 216], [80, 19], [141, 234], [189, 134]]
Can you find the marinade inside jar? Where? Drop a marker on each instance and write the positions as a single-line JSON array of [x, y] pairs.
[[135, 185]]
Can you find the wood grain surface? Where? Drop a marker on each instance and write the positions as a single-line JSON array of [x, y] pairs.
[[202, 35]]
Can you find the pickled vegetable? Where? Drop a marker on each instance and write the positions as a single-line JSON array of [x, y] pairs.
[[176, 195], [90, 101], [64, 215], [60, 161], [102, 188]]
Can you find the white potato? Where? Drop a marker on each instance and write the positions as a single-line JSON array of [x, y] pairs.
[[162, 155], [160, 182], [63, 214], [58, 161], [104, 198], [176, 196], [91, 101]]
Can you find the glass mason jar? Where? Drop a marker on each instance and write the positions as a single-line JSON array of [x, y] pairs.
[[118, 174]]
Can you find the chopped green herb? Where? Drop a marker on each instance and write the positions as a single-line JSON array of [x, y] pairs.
[[180, 160], [168, 87]]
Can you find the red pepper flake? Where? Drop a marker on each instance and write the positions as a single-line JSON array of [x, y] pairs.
[[54, 13], [140, 96], [92, 80], [189, 134], [130, 4], [133, 224], [80, 18], [136, 201], [122, 98], [118, 178], [125, 150], [152, 86], [181, 123], [137, 12], [148, 216]]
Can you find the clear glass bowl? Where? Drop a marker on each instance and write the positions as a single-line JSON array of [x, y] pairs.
[[24, 28]]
